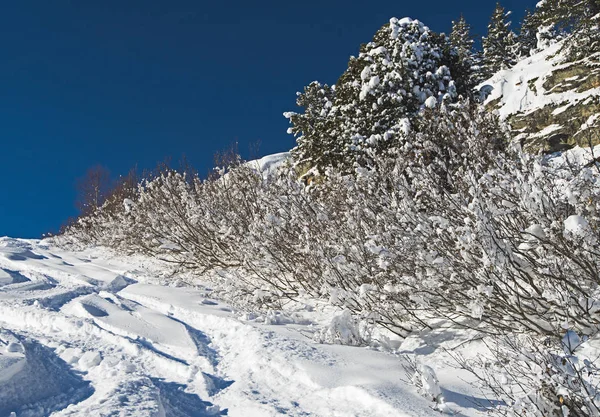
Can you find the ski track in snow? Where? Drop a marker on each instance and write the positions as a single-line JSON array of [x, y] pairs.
[[82, 334]]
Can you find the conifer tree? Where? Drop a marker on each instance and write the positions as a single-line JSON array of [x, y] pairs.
[[586, 37], [498, 45], [566, 17], [462, 58], [527, 37], [312, 128], [401, 70]]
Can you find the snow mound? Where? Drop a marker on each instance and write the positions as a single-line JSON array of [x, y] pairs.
[[133, 321], [12, 356], [343, 330], [267, 165]]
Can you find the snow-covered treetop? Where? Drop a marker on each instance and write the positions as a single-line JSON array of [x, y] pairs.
[[403, 67]]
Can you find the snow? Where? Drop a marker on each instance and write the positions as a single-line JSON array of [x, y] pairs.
[[547, 130], [405, 21], [431, 102], [520, 89], [578, 156], [395, 23], [430, 382], [268, 164], [536, 231], [365, 73], [589, 123], [12, 357], [576, 224], [5, 278], [92, 333], [571, 341]]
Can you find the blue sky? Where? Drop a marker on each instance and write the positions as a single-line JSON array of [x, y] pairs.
[[121, 83]]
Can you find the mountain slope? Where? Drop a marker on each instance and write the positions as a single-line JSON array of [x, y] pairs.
[[549, 102]]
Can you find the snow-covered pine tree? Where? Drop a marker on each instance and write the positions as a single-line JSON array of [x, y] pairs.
[[312, 128], [585, 39], [527, 37], [463, 66], [403, 68], [498, 45], [478, 66], [570, 14], [578, 19]]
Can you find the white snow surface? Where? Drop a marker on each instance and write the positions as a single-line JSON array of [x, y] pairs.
[[95, 334], [520, 89], [268, 164]]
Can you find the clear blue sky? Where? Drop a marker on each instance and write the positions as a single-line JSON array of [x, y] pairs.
[[120, 83]]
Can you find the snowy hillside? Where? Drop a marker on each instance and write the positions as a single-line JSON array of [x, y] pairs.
[[90, 334], [406, 258], [547, 99]]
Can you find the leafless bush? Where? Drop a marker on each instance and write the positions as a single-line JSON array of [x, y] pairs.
[[536, 376], [448, 224]]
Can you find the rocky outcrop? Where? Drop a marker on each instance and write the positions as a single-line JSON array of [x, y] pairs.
[[550, 103]]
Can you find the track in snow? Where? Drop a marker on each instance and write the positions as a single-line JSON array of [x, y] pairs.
[[104, 340], [83, 349]]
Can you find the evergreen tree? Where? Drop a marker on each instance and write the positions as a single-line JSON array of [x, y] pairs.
[[527, 38], [315, 145], [586, 37], [390, 81], [478, 67], [462, 58], [498, 45], [560, 18]]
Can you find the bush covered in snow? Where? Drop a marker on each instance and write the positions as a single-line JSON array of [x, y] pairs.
[[538, 376], [451, 223]]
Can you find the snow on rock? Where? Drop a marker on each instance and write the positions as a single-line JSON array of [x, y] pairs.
[[579, 156], [542, 82], [589, 123], [520, 88]]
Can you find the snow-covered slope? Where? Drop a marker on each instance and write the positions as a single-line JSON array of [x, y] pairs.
[[547, 99], [88, 333]]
